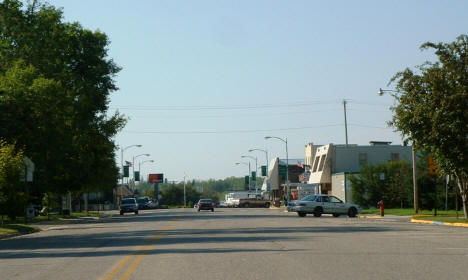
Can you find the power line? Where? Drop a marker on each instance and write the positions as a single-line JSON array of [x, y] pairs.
[[232, 115], [227, 107], [242, 131]]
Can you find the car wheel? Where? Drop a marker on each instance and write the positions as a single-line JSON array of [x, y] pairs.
[[352, 212], [136, 212], [267, 205], [212, 209], [301, 214], [198, 210], [336, 215], [121, 213], [318, 212]]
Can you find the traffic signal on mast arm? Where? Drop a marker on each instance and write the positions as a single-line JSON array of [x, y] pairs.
[[432, 165]]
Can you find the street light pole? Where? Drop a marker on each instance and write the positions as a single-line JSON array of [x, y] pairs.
[[287, 165], [133, 165], [256, 170], [121, 163], [266, 155], [142, 162]]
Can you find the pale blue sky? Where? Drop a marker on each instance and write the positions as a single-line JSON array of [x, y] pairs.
[[187, 65]]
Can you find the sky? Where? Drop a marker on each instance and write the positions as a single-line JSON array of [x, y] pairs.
[[202, 82]]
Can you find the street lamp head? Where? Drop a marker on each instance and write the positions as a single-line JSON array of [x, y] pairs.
[[381, 92], [139, 146], [243, 156], [267, 137], [251, 150], [237, 163], [147, 155]]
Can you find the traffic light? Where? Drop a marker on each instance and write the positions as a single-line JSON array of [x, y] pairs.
[[264, 170], [126, 171], [254, 176], [137, 176]]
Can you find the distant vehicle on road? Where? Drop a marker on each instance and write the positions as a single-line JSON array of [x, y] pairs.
[[143, 202], [146, 203], [205, 204], [233, 197], [253, 200], [319, 204], [128, 205]]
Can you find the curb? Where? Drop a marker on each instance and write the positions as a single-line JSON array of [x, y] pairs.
[[439, 223], [370, 217]]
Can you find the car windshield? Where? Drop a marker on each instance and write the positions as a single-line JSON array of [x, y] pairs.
[[310, 197], [205, 201], [142, 200], [128, 201]]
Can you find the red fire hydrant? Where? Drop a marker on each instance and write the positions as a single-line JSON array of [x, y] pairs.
[[382, 207]]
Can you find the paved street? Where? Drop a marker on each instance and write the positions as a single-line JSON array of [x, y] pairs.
[[237, 244]]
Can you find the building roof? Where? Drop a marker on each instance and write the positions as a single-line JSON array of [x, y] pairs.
[[291, 161]]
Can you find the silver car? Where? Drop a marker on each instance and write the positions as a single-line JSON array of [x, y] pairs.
[[319, 204]]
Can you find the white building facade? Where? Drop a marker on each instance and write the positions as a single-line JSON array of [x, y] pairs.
[[332, 164]]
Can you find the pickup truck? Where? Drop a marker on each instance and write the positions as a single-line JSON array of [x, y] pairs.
[[253, 202]]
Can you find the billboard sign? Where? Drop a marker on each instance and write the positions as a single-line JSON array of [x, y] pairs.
[[155, 178]]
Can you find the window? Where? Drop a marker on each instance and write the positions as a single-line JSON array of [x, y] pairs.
[[316, 163], [335, 199], [395, 156], [325, 199], [362, 159], [322, 162]]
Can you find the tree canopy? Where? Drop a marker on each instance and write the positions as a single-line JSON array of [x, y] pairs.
[[431, 109], [55, 82]]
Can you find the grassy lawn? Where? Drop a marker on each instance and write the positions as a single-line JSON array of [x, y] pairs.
[[14, 229], [409, 212], [442, 216], [53, 217]]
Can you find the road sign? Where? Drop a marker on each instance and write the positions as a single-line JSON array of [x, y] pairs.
[[155, 178]]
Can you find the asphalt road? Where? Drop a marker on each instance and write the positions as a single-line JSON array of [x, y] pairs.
[[237, 244]]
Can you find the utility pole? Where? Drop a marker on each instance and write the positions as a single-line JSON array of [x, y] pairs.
[[345, 122]]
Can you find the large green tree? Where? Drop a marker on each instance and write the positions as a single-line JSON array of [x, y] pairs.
[[12, 195], [55, 83], [431, 109]]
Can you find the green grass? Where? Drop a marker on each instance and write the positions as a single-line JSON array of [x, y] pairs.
[[442, 215], [53, 217], [409, 212], [15, 229]]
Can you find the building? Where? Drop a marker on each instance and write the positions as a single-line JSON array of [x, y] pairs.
[[274, 184], [332, 164]]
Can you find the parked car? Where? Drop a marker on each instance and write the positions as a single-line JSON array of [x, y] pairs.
[[205, 204], [319, 204], [128, 205]]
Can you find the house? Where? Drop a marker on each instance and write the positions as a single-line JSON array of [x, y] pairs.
[[332, 164]]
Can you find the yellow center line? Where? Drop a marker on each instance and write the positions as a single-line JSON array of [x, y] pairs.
[[140, 251]]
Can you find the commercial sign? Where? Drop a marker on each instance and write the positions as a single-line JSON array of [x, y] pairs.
[[155, 178]]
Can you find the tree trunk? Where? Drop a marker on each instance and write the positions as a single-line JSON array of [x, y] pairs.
[[463, 186]]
